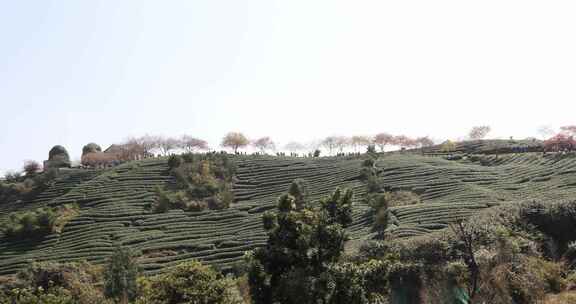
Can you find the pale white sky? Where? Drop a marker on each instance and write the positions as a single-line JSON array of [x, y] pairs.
[[73, 72]]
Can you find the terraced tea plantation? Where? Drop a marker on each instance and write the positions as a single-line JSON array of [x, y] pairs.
[[114, 204]]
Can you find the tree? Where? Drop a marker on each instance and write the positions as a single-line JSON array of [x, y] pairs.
[[91, 148], [448, 146], [342, 142], [263, 144], [568, 130], [58, 151], [235, 141], [424, 142], [31, 168], [299, 190], [382, 140], [294, 146], [131, 149], [58, 158], [560, 142], [120, 275], [191, 144], [479, 132], [95, 159], [167, 144], [359, 142], [189, 282], [330, 143], [148, 143], [402, 141], [545, 131], [467, 244], [302, 244]]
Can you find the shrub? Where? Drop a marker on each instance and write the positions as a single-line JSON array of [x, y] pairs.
[[30, 224], [37, 296], [175, 161], [67, 283], [39, 222], [189, 282], [202, 181], [357, 283]]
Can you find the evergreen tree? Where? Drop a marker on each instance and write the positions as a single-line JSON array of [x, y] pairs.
[[120, 275], [302, 243]]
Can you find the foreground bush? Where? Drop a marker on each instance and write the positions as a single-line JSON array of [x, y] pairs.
[[188, 283], [518, 253], [55, 283]]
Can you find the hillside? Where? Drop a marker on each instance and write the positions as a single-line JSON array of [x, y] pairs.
[[114, 204]]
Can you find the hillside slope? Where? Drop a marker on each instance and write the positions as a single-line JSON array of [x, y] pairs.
[[114, 211], [114, 204]]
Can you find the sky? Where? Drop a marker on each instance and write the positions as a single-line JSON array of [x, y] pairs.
[[74, 72]]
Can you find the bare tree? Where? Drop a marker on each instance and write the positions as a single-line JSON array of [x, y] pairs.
[[314, 145], [96, 159], [424, 142], [479, 132], [467, 236], [167, 144], [191, 144], [402, 141], [568, 130], [130, 149], [546, 131], [149, 143], [330, 143], [294, 146], [382, 140], [31, 167], [359, 142], [263, 144], [235, 140], [342, 142]]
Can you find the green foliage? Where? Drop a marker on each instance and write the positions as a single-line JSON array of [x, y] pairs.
[[30, 224], [369, 174], [202, 181], [175, 161], [317, 153], [58, 158], [16, 187], [120, 275], [38, 222], [189, 282], [47, 282], [58, 151], [37, 296], [302, 244], [371, 149], [299, 190], [338, 207], [357, 283]]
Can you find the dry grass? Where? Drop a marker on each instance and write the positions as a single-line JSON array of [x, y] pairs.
[[568, 297]]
